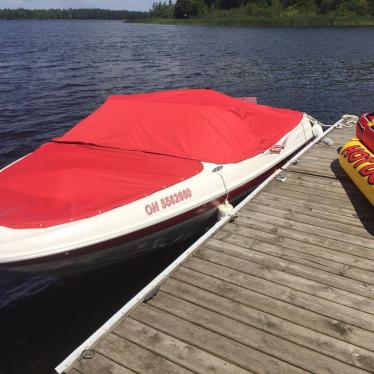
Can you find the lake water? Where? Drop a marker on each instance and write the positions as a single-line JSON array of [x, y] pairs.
[[53, 73]]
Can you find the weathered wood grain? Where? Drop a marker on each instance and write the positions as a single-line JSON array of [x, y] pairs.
[[136, 358], [313, 287], [291, 267], [352, 257], [317, 257], [173, 349], [264, 321], [99, 364], [333, 231], [255, 337], [329, 214], [281, 189], [329, 170], [289, 215], [168, 320], [303, 237], [315, 191], [284, 293], [329, 326]]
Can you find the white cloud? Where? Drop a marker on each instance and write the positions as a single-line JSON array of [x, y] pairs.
[[105, 4]]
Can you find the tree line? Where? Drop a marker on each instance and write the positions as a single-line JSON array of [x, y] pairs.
[[21, 13], [182, 9], [200, 8]]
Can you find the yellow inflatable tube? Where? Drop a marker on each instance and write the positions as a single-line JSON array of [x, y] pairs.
[[358, 162]]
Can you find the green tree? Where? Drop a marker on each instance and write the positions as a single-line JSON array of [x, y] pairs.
[[71, 14], [198, 8], [162, 10], [357, 6], [183, 9], [326, 6], [229, 4], [371, 7], [189, 8]]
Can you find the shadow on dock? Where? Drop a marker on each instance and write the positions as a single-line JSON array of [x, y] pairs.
[[361, 205]]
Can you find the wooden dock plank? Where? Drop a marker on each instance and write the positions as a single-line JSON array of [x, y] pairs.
[[348, 214], [325, 185], [240, 252], [286, 288], [354, 258], [326, 325], [294, 262], [136, 358], [320, 153], [337, 257], [289, 215], [334, 231], [318, 260], [324, 153], [255, 337], [341, 137], [313, 287], [338, 193], [298, 232], [311, 210], [329, 170], [267, 322], [281, 292], [166, 319], [303, 237], [100, 364], [174, 350], [320, 200]]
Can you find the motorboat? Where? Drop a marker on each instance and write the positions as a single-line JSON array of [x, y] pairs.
[[141, 172]]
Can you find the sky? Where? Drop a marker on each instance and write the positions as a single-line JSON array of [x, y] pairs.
[[105, 4]]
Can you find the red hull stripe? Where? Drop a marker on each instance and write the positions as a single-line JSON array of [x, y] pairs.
[[143, 232]]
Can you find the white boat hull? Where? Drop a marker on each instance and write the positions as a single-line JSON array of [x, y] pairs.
[[163, 218]]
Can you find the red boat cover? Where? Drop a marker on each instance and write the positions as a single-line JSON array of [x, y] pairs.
[[131, 147], [202, 125], [59, 183]]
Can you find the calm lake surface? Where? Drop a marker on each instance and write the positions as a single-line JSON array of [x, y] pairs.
[[53, 73]]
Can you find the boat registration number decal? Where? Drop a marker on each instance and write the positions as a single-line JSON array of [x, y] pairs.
[[168, 201]]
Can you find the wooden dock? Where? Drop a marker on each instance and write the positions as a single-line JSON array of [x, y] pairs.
[[286, 288]]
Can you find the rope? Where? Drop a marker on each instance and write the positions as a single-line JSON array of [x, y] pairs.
[[219, 172], [348, 120], [315, 121], [225, 209]]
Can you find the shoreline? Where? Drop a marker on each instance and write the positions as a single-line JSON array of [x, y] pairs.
[[296, 21]]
